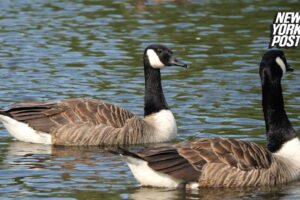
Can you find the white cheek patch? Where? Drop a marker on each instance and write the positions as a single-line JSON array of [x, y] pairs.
[[280, 62], [154, 59]]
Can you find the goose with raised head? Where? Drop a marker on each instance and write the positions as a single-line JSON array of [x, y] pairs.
[[219, 162], [95, 122]]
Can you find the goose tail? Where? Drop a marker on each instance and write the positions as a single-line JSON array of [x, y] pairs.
[[125, 153], [144, 173], [4, 113]]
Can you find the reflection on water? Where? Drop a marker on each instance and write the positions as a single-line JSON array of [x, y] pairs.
[[156, 193], [90, 172], [63, 49], [45, 168]]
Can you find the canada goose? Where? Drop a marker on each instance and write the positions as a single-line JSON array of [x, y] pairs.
[[95, 122], [220, 162]]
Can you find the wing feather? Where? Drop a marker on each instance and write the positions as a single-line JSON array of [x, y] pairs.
[[135, 131], [189, 161], [45, 117]]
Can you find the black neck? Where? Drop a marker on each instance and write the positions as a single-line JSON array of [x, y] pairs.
[[154, 96], [278, 126]]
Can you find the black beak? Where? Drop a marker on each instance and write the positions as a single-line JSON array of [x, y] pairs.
[[176, 62], [289, 68]]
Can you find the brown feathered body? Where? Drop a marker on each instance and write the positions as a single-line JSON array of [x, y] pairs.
[[219, 162], [84, 122]]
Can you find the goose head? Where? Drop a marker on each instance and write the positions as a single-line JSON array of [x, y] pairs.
[[274, 65], [160, 56]]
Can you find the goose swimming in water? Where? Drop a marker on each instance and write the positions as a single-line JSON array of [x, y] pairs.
[[220, 162], [95, 122]]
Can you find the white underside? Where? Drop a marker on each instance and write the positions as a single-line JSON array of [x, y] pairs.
[[147, 176], [290, 153], [164, 124], [23, 132]]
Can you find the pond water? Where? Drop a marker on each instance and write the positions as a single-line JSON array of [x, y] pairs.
[[63, 49]]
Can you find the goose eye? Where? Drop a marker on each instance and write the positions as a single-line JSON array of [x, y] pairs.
[[159, 51]]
